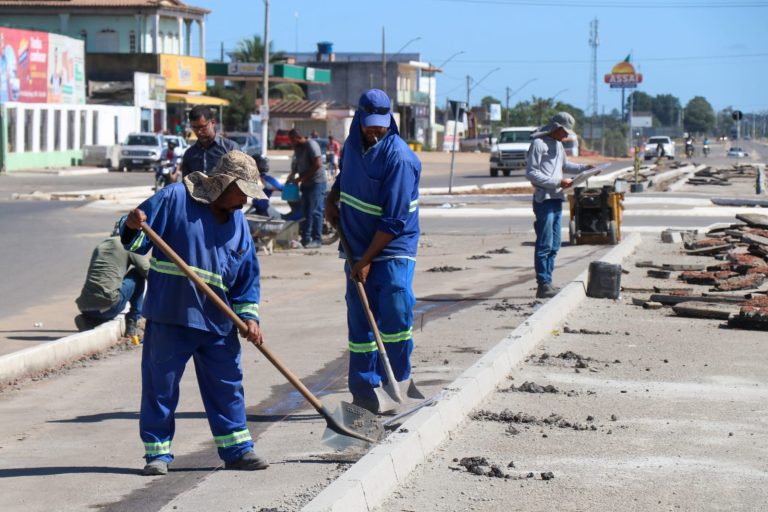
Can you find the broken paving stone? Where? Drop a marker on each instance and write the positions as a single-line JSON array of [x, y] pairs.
[[548, 475], [479, 257], [503, 250], [445, 268]]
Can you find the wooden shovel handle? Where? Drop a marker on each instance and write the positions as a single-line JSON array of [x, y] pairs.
[[203, 286]]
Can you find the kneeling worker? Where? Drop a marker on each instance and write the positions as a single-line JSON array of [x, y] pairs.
[[115, 278]]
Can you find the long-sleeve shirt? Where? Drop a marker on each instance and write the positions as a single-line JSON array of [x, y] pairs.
[[222, 255], [106, 270], [546, 165], [198, 158], [379, 191]]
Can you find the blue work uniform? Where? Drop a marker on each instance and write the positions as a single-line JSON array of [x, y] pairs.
[[379, 191], [182, 322]]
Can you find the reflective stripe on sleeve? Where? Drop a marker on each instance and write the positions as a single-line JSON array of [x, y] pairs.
[[249, 308], [170, 268]]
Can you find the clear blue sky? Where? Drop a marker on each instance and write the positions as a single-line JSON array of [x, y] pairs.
[[713, 48]]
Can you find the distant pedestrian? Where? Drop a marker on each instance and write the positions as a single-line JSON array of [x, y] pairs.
[[204, 154], [378, 191], [308, 172], [546, 164], [115, 278], [333, 151]]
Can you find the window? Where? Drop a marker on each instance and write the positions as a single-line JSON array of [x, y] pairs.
[[161, 43], [11, 112], [70, 129], [57, 130], [44, 130], [95, 128], [29, 120], [83, 118], [132, 41]]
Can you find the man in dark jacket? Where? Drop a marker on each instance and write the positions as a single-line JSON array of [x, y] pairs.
[[204, 154]]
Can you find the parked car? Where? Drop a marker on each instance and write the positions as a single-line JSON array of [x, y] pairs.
[[480, 143], [652, 147], [282, 141], [141, 151], [249, 143], [736, 152]]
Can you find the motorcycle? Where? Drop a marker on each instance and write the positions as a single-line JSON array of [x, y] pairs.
[[163, 173], [705, 150], [689, 150]]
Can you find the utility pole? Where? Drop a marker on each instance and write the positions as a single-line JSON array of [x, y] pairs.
[[594, 42], [265, 101], [510, 95], [469, 88], [221, 56], [383, 63]]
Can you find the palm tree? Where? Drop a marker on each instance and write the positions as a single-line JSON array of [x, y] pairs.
[[252, 50], [287, 92]]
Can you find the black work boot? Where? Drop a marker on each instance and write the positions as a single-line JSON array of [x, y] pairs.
[[248, 462], [546, 291]]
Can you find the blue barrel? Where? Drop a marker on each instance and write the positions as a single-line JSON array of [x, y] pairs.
[[604, 281]]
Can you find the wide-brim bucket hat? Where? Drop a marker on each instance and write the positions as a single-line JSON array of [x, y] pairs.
[[234, 167], [562, 120]]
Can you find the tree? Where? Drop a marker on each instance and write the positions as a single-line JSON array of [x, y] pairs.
[[488, 100], [699, 116], [252, 50], [241, 105], [640, 101], [287, 92], [666, 109], [724, 121]]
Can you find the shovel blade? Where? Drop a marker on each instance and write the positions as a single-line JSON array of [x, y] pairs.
[[358, 420], [388, 397]]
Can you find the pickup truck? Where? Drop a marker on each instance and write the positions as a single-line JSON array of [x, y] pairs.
[[510, 151], [141, 151], [652, 147]]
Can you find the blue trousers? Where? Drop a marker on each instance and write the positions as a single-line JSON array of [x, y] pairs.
[[313, 206], [167, 348], [547, 226], [132, 290], [391, 298]]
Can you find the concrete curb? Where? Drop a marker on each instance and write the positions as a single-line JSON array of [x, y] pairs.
[[677, 185], [368, 483], [58, 352]]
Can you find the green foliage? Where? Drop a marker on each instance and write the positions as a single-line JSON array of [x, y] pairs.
[[724, 121], [287, 92], [241, 105], [488, 100], [640, 101], [666, 109], [252, 50], [699, 116]]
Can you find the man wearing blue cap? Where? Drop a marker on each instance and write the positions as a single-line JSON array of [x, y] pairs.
[[378, 190]]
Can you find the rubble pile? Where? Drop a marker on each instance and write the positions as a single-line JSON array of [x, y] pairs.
[[737, 283]]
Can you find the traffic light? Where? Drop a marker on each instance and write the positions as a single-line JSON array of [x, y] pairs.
[[737, 115]]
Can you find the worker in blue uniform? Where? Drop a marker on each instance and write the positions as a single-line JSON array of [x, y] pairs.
[[375, 201], [200, 219]]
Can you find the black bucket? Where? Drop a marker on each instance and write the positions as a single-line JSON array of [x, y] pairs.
[[604, 280]]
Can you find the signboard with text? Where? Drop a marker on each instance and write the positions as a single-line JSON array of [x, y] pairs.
[[23, 66], [183, 73], [623, 76], [66, 70]]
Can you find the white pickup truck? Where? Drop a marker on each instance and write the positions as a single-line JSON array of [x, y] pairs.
[[511, 149], [657, 144]]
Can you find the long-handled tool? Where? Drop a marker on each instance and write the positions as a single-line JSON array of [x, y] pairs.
[[350, 422], [392, 394]]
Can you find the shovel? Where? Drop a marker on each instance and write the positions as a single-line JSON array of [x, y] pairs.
[[350, 425], [392, 395]]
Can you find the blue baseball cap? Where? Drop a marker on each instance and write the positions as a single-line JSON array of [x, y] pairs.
[[375, 108]]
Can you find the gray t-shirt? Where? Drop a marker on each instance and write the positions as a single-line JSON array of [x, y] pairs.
[[305, 159]]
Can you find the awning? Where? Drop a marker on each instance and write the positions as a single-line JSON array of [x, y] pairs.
[[195, 99]]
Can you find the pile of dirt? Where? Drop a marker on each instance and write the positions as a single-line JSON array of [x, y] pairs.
[[445, 268], [503, 250], [479, 257], [507, 416], [532, 387], [480, 466]]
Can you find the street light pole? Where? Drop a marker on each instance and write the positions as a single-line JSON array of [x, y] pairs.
[[506, 116], [265, 101], [470, 88]]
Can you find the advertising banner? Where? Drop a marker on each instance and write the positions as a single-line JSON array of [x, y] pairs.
[[23, 66], [183, 73], [66, 70], [149, 90]]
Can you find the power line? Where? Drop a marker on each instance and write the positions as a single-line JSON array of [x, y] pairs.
[[637, 59]]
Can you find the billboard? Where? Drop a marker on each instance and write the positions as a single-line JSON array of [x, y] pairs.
[[38, 67], [183, 73], [623, 76], [23, 66], [149, 90], [66, 70]]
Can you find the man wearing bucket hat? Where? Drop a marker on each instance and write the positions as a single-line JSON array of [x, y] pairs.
[[378, 190], [545, 168], [201, 219]]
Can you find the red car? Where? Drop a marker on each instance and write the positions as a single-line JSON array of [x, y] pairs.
[[282, 141]]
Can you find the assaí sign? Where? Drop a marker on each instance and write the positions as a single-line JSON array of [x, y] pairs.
[[623, 75]]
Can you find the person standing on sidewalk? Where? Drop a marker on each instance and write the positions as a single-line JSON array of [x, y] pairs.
[[202, 220], [115, 278], [545, 168], [378, 191], [204, 154], [309, 174], [333, 152]]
